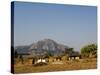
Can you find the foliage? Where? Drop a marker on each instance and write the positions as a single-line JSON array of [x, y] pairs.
[[89, 50], [69, 50]]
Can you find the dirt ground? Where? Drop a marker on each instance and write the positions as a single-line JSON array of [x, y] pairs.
[[55, 66]]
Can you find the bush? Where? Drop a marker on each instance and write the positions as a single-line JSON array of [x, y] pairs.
[[89, 50]]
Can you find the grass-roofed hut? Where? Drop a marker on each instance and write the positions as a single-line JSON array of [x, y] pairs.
[[74, 56]]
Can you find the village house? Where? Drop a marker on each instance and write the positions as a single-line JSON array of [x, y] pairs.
[[74, 56], [36, 56]]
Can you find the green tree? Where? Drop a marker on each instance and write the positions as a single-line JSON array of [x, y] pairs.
[[69, 50], [89, 50]]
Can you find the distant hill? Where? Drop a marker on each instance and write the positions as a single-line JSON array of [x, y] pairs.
[[45, 45]]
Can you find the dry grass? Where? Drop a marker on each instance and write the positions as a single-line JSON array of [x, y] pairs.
[[67, 65]]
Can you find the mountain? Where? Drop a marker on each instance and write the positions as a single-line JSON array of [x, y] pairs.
[[45, 45], [48, 44], [22, 49]]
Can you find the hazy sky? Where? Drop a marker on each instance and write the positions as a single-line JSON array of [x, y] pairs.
[[74, 26]]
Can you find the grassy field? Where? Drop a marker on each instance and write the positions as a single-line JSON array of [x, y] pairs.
[[67, 65]]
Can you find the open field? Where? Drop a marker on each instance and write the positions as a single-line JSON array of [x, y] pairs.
[[66, 65]]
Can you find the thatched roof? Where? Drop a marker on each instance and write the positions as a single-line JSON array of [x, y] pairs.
[[37, 55]]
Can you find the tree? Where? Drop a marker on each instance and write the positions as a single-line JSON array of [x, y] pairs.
[[89, 50], [69, 50]]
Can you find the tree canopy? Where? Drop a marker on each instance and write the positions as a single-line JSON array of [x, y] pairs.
[[89, 50], [69, 50]]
